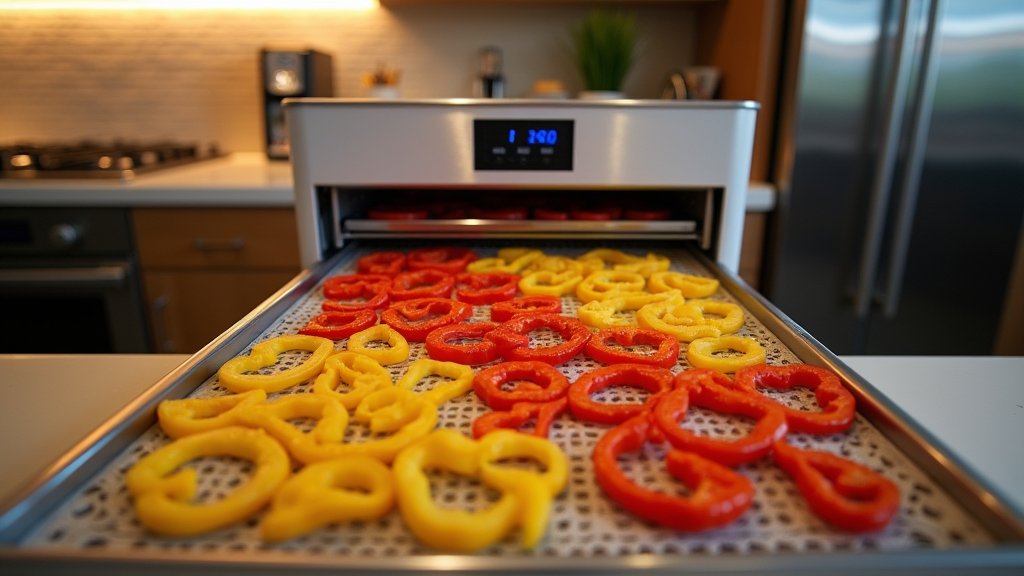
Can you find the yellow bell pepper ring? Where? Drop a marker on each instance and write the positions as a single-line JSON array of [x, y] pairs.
[[608, 257], [608, 284], [458, 379], [674, 318], [396, 352], [526, 494], [604, 313], [276, 418], [558, 264], [512, 260], [189, 416], [710, 353], [361, 373], [162, 497], [646, 266], [725, 316], [691, 286], [341, 490], [236, 374], [548, 283], [535, 491]]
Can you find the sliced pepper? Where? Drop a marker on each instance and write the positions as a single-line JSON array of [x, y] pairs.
[[448, 343], [397, 350], [600, 347], [486, 287], [838, 407], [705, 388], [843, 493], [276, 418], [607, 313], [361, 373], [502, 311], [187, 416], [717, 495], [337, 325], [655, 380], [162, 497], [705, 353], [513, 338], [415, 319], [428, 283], [235, 373], [503, 385], [341, 490], [542, 414], [384, 262], [459, 379], [690, 285], [548, 283], [606, 284], [446, 259], [356, 292], [646, 266], [511, 260], [672, 317]]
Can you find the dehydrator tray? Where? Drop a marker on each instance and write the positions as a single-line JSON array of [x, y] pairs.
[[81, 514]]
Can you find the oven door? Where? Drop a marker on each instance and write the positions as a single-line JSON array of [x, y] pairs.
[[72, 307]]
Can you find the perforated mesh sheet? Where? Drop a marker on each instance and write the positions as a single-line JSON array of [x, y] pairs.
[[584, 523]]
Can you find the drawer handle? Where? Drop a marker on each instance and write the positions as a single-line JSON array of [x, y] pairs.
[[219, 244]]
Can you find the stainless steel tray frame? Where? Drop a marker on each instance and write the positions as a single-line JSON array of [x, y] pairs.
[[90, 455]]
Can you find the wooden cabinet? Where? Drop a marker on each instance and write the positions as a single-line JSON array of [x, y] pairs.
[[205, 268]]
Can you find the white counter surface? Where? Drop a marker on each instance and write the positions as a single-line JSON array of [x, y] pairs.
[[239, 179], [975, 406]]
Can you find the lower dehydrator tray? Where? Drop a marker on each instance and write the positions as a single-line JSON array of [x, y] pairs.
[[586, 529]]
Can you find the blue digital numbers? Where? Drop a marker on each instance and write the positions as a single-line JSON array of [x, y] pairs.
[[542, 137], [512, 136]]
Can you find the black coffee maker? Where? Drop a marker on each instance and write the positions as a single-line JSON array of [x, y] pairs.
[[288, 74]]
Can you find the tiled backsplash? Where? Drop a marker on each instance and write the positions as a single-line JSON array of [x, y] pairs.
[[193, 75]]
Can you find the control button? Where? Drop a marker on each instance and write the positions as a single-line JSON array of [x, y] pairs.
[[523, 150], [498, 150], [65, 235]]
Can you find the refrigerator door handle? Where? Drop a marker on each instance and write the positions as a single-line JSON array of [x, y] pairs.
[[920, 120], [881, 188]]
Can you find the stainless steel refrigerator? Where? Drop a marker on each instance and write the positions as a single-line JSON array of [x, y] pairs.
[[900, 167]]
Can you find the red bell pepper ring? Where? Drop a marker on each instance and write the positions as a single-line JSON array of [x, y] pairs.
[[717, 495], [399, 213], [385, 263], [843, 493], [450, 260], [337, 324], [665, 355], [838, 406], [441, 343], [513, 338], [503, 385], [542, 415], [352, 292], [486, 287], [655, 380], [508, 309], [422, 284], [704, 388], [415, 319]]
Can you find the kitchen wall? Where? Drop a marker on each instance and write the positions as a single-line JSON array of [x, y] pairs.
[[193, 74]]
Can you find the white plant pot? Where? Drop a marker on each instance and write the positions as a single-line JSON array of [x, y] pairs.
[[383, 92], [601, 95]]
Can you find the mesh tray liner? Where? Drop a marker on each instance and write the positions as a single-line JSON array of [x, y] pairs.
[[584, 523]]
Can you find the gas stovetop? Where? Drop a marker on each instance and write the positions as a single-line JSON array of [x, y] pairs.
[[97, 160]]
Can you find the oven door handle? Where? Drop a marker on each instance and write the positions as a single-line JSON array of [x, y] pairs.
[[105, 276]]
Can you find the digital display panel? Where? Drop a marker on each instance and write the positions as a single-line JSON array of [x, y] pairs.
[[523, 144]]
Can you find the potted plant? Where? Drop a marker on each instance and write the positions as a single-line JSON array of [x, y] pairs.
[[605, 48]]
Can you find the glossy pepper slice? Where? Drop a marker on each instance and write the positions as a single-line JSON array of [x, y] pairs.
[[163, 491], [513, 338], [841, 492], [396, 352], [457, 379], [422, 284], [542, 414], [838, 406], [549, 283], [503, 385], [601, 348], [446, 259], [449, 343], [502, 311], [690, 285], [655, 380], [361, 374], [485, 287], [717, 494], [705, 353], [237, 374], [605, 284], [386, 263], [415, 319], [672, 317], [710, 389], [337, 325], [351, 292], [187, 416]]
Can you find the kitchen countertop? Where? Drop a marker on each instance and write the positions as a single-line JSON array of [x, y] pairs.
[[238, 179], [973, 405]]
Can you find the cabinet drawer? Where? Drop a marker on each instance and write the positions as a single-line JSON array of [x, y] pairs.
[[217, 238]]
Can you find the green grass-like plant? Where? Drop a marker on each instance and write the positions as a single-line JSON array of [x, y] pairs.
[[605, 46]]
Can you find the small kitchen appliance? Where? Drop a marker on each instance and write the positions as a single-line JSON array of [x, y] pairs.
[[286, 74]]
